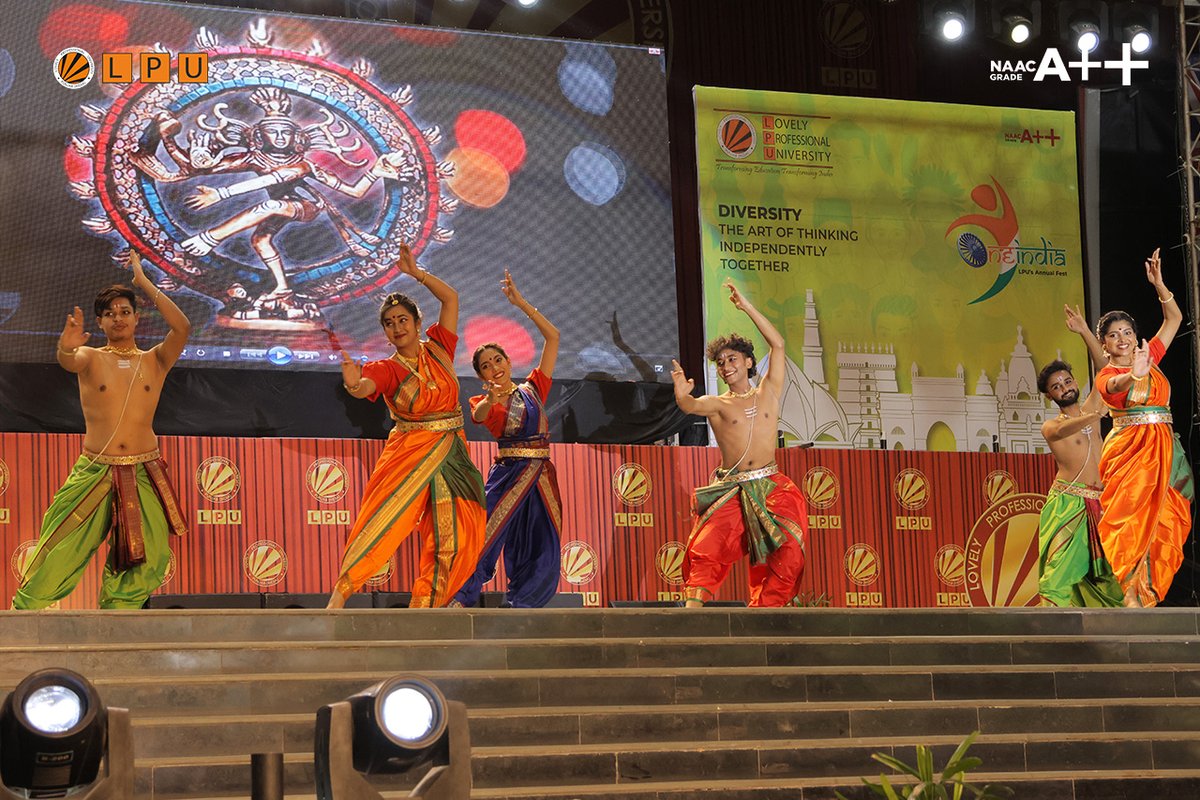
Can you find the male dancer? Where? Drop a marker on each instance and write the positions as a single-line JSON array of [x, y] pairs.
[[120, 482], [750, 507], [1072, 569]]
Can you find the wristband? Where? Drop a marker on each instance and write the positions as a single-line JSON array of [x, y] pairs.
[[1167, 299]]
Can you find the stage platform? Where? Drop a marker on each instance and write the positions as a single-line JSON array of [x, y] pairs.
[[886, 528], [658, 704]]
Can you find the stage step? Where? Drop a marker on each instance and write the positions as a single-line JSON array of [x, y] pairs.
[[656, 704]]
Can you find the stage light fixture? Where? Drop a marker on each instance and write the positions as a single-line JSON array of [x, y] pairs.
[[1016, 23], [950, 21], [399, 725], [1083, 24], [54, 734], [1138, 25]]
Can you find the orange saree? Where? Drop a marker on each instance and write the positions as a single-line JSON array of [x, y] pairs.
[[424, 480], [1147, 486]]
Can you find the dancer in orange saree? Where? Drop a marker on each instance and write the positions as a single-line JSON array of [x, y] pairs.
[[1147, 480], [424, 479]]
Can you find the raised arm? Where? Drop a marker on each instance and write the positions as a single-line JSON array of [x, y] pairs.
[[1172, 316], [1141, 368], [777, 369], [705, 406], [352, 378], [72, 355], [1076, 323], [446, 294], [545, 328], [167, 351]]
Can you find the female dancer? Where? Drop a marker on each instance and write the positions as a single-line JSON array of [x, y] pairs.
[[424, 478], [523, 504], [1147, 481]]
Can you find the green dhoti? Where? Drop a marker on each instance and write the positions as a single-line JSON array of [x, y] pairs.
[[128, 497], [1072, 569]]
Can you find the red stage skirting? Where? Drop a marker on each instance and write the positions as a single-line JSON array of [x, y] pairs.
[[891, 529]]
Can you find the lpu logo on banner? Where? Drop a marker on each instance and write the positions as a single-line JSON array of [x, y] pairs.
[[1052, 66], [74, 67]]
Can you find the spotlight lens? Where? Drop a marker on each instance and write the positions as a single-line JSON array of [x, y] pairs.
[[1141, 42], [53, 709], [1087, 41], [408, 714], [1019, 33], [953, 28]]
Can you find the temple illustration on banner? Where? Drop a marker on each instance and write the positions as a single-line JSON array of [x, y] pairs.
[[870, 411]]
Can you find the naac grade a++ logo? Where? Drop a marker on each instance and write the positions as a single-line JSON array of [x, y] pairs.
[[218, 479], [265, 563], [736, 136], [1002, 553], [326, 480], [325, 169], [579, 562]]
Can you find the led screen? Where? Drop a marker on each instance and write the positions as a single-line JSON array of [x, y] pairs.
[[270, 178]]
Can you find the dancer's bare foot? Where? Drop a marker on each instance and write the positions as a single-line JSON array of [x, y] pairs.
[[336, 600]]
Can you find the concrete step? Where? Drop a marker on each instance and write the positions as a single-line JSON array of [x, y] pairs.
[[214, 657], [523, 768], [282, 692], [103, 627]]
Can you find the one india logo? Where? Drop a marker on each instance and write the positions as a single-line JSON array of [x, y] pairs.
[[1002, 228]]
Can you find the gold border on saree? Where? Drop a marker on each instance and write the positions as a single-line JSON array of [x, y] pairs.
[[452, 423], [1086, 492], [523, 452], [1142, 418], [117, 461], [742, 477]]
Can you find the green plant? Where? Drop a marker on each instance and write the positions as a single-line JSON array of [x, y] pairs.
[[949, 785], [810, 600]]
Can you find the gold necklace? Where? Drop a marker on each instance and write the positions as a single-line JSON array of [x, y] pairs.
[[743, 395], [121, 351], [414, 366]]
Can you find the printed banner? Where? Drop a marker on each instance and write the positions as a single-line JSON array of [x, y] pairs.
[[886, 529], [916, 258]]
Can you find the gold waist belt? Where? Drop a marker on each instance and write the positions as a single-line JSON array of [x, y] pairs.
[[523, 452], [721, 476], [1142, 418], [451, 423], [1086, 492], [140, 458]]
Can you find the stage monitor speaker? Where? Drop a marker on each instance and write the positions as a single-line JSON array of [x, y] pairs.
[[391, 599], [189, 601], [311, 600], [560, 600], [645, 603], [566, 600]]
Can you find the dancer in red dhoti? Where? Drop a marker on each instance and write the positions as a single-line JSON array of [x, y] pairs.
[[424, 479], [749, 508], [1147, 480]]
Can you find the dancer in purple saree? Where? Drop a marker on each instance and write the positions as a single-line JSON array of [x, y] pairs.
[[523, 503]]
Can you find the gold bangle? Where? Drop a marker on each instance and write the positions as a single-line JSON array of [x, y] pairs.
[[424, 275], [351, 389], [67, 352], [157, 294], [1167, 299]]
